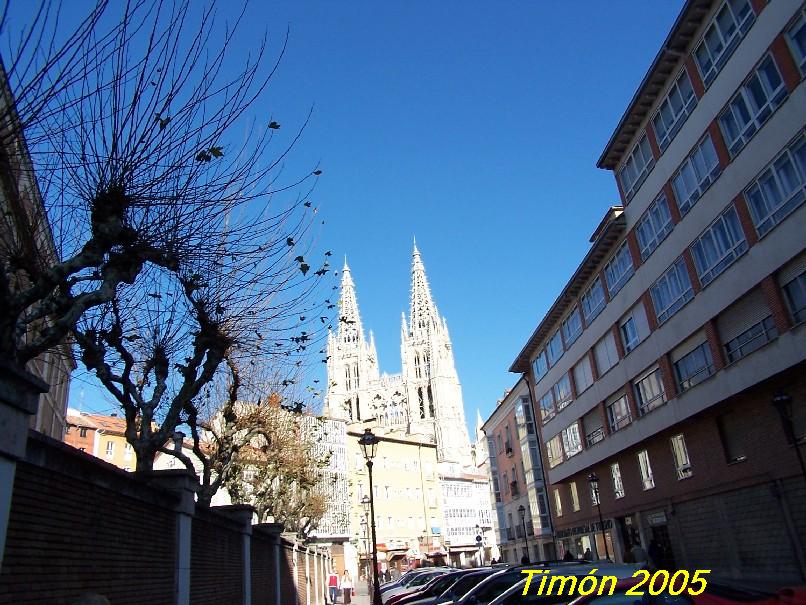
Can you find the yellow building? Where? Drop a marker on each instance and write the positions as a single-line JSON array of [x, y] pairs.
[[102, 436], [408, 513]]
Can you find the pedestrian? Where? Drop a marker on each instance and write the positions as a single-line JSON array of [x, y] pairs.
[[387, 575], [333, 586], [588, 556], [347, 587], [568, 556], [525, 560]]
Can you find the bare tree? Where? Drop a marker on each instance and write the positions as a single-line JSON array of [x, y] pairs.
[[181, 249]]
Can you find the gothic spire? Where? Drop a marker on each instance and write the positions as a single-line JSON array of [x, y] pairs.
[[350, 329], [423, 311]]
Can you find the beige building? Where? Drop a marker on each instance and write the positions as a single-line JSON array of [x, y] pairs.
[[408, 512], [102, 436]]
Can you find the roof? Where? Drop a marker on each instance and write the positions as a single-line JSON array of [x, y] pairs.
[[107, 424], [500, 403], [663, 67], [604, 239]]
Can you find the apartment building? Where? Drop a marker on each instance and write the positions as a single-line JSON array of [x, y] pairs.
[[518, 484], [102, 436], [656, 368]]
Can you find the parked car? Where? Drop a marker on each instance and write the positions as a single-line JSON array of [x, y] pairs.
[[419, 580], [467, 580], [434, 586], [408, 577], [514, 594]]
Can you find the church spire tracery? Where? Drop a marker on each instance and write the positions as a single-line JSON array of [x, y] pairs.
[[350, 328], [423, 310]]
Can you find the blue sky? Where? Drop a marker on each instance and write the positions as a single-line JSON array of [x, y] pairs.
[[473, 126]]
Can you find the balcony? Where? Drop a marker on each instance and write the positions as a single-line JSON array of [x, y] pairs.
[[594, 436], [513, 489], [508, 449]]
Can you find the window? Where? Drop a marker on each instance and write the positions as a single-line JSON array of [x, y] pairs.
[[605, 353], [574, 497], [649, 392], [127, 451], [721, 244], [547, 409], [571, 440], [654, 226], [730, 433], [753, 338], [82, 432], [540, 365], [636, 168], [526, 408], [507, 485], [572, 327], [618, 486], [583, 375], [796, 36], [558, 503], [619, 270], [634, 327], [696, 173], [795, 293], [674, 109], [562, 392], [647, 480], [594, 495], [592, 425], [593, 301], [110, 448], [618, 414], [680, 453], [722, 36], [695, 367], [758, 97], [554, 348], [671, 291], [780, 189], [554, 451]]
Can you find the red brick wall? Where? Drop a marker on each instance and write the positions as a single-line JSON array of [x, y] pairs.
[[67, 537], [263, 578]]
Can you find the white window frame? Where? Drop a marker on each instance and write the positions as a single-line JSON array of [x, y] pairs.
[[665, 133], [591, 307], [582, 364], [618, 422], [554, 451], [645, 468], [574, 496], [752, 339], [646, 402], [540, 365], [554, 349], [572, 441], [637, 166], [110, 448], [701, 371], [618, 484], [562, 399], [682, 462], [798, 53], [653, 227], [744, 114], [718, 246], [572, 327], [677, 283], [696, 173], [619, 270], [547, 413], [629, 334], [558, 502], [789, 185], [710, 60]]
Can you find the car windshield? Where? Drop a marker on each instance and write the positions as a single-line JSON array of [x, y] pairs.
[[441, 583], [495, 586], [423, 578]]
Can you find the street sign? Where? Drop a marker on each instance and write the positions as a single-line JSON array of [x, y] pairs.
[[478, 539]]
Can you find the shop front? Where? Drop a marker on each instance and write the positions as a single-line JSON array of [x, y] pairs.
[[586, 541]]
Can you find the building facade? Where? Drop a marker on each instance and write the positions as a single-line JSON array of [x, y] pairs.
[[656, 368], [102, 436], [517, 480]]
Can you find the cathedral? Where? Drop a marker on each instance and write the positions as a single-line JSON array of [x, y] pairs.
[[425, 399]]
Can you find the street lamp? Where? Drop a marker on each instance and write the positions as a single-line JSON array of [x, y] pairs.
[[369, 446], [783, 403], [594, 481], [522, 513], [366, 546]]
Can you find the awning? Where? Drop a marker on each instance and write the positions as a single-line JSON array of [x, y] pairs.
[[397, 555]]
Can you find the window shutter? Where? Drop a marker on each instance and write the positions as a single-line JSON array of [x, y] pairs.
[[688, 345], [742, 315], [641, 323], [592, 421], [792, 270]]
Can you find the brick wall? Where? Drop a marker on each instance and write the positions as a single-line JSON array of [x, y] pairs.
[[79, 525]]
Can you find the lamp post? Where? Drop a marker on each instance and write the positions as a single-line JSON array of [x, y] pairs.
[[522, 513], [369, 445], [594, 481], [366, 545], [783, 403], [480, 542]]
